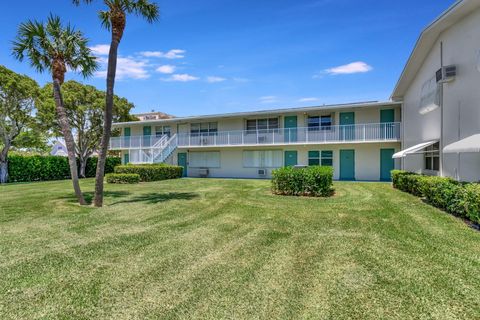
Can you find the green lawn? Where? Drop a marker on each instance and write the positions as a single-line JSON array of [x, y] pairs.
[[194, 248]]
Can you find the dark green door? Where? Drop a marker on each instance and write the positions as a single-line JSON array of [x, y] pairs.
[[347, 164], [387, 118], [347, 123], [127, 133], [182, 162], [291, 158], [126, 158], [147, 132], [387, 164], [290, 124]]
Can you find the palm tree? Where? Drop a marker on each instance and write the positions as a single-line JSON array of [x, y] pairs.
[[114, 19], [53, 47]]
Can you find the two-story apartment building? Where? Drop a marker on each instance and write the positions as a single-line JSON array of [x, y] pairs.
[[358, 140], [431, 125]]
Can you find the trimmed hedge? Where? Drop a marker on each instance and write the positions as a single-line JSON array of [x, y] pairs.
[[45, 168], [152, 172], [457, 198], [313, 181], [122, 178]]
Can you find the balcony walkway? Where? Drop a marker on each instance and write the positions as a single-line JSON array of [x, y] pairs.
[[358, 133]]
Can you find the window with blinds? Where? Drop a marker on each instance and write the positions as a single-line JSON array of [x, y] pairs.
[[263, 159], [208, 159]]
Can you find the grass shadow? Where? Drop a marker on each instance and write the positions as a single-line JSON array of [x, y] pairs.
[[153, 197], [89, 196]]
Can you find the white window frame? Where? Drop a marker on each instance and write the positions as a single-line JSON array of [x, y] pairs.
[[204, 161], [262, 156]]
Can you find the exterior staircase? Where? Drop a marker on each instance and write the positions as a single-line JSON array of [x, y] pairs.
[[164, 148]]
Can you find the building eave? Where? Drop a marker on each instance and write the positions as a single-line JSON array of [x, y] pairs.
[[427, 40], [262, 112]]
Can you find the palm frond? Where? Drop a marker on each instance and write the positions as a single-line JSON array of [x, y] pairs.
[[42, 43], [105, 19], [146, 9]]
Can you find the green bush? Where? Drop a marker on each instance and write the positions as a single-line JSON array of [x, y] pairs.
[[44, 168], [313, 181], [460, 199], [152, 172], [122, 178]]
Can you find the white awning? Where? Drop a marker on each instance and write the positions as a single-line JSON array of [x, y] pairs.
[[413, 149], [470, 144]]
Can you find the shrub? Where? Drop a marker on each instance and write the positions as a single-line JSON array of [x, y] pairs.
[[123, 178], [461, 199], [311, 181], [23, 168], [152, 172]]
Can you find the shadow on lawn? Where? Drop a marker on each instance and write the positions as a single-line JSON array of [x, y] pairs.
[[89, 196], [153, 197]]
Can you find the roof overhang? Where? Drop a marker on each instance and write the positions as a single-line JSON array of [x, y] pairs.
[[264, 112], [468, 145], [414, 149], [427, 40]]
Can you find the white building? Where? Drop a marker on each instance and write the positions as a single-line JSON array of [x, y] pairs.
[[357, 139], [59, 149], [435, 110], [441, 112]]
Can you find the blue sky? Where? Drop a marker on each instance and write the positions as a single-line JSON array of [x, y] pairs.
[[215, 56]]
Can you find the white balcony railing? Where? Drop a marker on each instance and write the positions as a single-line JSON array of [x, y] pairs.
[[372, 132]]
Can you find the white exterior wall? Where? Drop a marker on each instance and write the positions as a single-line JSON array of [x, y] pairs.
[[367, 159], [461, 101]]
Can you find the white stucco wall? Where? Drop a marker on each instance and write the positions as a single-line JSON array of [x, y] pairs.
[[461, 100], [367, 159]]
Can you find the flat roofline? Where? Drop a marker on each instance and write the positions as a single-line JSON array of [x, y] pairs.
[[266, 112]]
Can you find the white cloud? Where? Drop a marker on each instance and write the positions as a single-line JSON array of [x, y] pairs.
[[100, 49], [214, 79], [268, 99], [181, 78], [166, 69], [309, 99], [127, 68], [351, 68], [172, 54]]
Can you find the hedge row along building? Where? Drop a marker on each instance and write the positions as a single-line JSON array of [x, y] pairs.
[[431, 124]]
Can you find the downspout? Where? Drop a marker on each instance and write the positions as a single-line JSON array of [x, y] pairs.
[[440, 151]]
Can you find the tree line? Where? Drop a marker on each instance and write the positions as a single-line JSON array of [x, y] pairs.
[[28, 117], [55, 47]]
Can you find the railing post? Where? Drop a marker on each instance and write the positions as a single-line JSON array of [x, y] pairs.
[[243, 137], [228, 138], [273, 136], [364, 133]]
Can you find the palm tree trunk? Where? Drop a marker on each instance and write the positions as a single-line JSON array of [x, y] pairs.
[[4, 165], [107, 124], [69, 142]]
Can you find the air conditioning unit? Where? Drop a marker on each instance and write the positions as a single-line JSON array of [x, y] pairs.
[[262, 172], [262, 139], [203, 173], [446, 74]]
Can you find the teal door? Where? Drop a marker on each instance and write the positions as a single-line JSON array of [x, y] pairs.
[[126, 158], [147, 132], [291, 158], [127, 133], [347, 164], [290, 125], [387, 164], [347, 123], [387, 118], [182, 162]]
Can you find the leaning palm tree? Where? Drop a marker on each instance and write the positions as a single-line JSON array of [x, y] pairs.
[[114, 19], [53, 47]]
